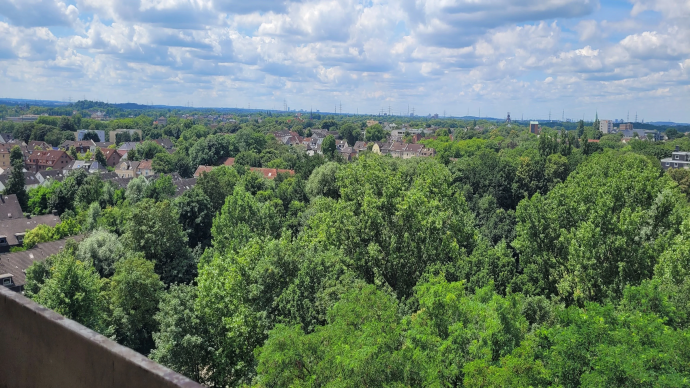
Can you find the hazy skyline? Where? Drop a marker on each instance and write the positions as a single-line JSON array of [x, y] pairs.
[[528, 57]]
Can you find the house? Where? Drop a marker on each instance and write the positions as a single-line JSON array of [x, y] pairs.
[[12, 230], [128, 146], [46, 177], [5, 150], [371, 122], [6, 137], [228, 162], [347, 152], [360, 146], [10, 208], [103, 144], [39, 145], [201, 170], [41, 160], [144, 168], [165, 143], [678, 159], [271, 173], [15, 264], [91, 166], [113, 135], [80, 134], [182, 185], [30, 181], [81, 146], [126, 169], [161, 121], [112, 157]]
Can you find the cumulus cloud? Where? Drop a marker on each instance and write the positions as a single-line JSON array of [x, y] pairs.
[[453, 23], [445, 53], [39, 13]]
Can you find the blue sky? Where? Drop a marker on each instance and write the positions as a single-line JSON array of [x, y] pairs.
[[528, 57]]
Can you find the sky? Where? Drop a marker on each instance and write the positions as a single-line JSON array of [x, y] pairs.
[[571, 58]]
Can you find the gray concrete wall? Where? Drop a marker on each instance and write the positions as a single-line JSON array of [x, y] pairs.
[[40, 348]]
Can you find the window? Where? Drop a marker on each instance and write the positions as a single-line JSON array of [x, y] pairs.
[[675, 164], [668, 164], [7, 281], [675, 157]]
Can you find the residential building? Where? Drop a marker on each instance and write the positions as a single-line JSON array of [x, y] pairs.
[[126, 169], [81, 146], [46, 177], [17, 263], [6, 137], [10, 208], [41, 160], [165, 143], [625, 127], [678, 159], [113, 134], [79, 135], [112, 157], [201, 170], [606, 126], [12, 231], [534, 127], [360, 146], [144, 168], [39, 145], [162, 121], [91, 166]]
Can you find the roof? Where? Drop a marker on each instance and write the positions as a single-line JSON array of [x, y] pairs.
[[202, 169], [47, 157], [145, 165], [9, 207], [78, 144], [165, 143], [129, 145], [227, 161], [129, 165], [183, 185], [108, 152], [16, 263], [9, 228], [271, 173]]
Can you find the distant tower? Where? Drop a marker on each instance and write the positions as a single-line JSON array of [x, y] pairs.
[[508, 119]]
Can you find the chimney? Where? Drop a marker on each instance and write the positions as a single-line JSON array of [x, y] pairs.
[[677, 148]]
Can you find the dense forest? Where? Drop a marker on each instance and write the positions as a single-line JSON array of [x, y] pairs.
[[506, 260]]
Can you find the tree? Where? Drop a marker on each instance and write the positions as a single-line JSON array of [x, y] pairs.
[[73, 290], [207, 151], [580, 128], [374, 133], [134, 292], [100, 158], [196, 216], [350, 133], [73, 152], [136, 189], [91, 135], [217, 185], [102, 250], [323, 182], [68, 126], [16, 183], [587, 239], [153, 228], [328, 146], [181, 343]]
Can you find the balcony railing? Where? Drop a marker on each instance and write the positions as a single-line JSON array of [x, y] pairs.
[[40, 348]]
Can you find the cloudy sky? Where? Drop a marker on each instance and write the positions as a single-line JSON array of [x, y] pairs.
[[528, 57]]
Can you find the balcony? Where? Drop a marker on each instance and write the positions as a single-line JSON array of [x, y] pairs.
[[40, 348]]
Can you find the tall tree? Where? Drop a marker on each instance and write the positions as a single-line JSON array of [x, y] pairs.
[[100, 158], [328, 146], [16, 183]]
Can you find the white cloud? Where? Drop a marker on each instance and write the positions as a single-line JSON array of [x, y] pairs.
[[433, 53], [39, 13]]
